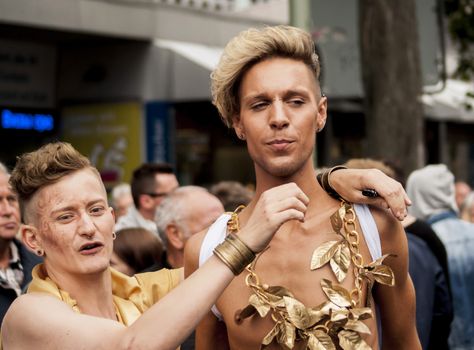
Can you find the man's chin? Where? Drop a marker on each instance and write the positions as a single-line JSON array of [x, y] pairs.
[[283, 170], [8, 235]]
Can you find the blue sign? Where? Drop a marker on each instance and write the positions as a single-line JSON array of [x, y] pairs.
[[26, 121], [159, 132]]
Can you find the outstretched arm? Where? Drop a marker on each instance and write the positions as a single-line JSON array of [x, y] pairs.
[[350, 183], [210, 333], [37, 321]]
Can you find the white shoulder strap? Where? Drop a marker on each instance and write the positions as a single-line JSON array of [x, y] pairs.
[[215, 235], [369, 229]]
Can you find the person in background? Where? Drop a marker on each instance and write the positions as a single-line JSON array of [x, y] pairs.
[[231, 194], [151, 182], [121, 199], [184, 212], [466, 210], [429, 272], [432, 191], [16, 262], [135, 250], [462, 189]]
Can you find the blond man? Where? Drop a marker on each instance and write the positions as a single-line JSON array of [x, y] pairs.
[[312, 288]]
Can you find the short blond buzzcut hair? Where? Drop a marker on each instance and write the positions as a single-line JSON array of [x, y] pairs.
[[253, 46], [45, 166]]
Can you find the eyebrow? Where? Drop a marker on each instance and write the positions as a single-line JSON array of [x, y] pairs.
[[286, 94], [71, 207]]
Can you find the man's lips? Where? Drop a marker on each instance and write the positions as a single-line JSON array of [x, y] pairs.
[[90, 248], [10, 225], [280, 144]]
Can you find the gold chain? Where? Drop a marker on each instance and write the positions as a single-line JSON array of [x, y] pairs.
[[353, 239]]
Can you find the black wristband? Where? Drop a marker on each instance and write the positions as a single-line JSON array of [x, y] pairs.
[[323, 179]]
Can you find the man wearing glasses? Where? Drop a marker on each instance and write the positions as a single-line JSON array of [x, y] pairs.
[[151, 182]]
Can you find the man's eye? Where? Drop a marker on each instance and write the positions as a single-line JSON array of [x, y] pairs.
[[297, 102], [97, 210], [64, 217], [12, 199], [259, 106]]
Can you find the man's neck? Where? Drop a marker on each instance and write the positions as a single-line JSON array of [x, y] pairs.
[[305, 178], [148, 215], [5, 252], [92, 292]]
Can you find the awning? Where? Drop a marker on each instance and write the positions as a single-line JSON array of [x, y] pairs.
[[205, 56], [452, 103]]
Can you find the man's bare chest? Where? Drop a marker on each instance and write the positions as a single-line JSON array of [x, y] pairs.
[[291, 293]]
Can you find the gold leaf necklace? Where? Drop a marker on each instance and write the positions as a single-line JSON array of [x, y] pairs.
[[337, 322]]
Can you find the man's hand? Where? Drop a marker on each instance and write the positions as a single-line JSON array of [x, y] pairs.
[[274, 207], [350, 183]]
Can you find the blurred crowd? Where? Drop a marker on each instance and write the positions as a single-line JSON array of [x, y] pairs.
[[155, 216]]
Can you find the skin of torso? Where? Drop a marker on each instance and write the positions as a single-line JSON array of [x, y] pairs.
[[287, 263]]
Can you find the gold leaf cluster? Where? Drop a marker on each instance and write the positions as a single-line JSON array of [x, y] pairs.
[[336, 323]]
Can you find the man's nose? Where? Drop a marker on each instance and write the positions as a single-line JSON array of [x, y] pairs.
[[86, 225], [6, 208], [278, 116]]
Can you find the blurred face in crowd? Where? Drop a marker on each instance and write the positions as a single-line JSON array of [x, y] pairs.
[[165, 183], [122, 204], [9, 210], [203, 210], [72, 223], [462, 189], [280, 112]]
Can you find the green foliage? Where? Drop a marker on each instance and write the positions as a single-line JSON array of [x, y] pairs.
[[460, 15]]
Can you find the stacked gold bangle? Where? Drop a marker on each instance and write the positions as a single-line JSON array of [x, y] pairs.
[[234, 253]]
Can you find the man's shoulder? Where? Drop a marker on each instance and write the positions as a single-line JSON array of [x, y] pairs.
[[464, 230], [31, 303]]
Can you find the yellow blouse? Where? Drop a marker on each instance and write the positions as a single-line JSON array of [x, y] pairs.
[[132, 295]]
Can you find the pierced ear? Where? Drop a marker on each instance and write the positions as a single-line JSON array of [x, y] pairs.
[[238, 128], [174, 236], [322, 113], [29, 236]]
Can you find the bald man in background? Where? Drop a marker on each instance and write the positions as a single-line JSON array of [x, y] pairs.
[[185, 211]]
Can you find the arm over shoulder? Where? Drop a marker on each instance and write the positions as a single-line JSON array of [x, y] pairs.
[[39, 321], [398, 323]]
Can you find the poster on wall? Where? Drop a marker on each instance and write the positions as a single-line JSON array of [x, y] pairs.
[[109, 134]]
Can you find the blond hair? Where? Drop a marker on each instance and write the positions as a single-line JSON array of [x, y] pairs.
[[368, 163], [250, 47], [43, 167]]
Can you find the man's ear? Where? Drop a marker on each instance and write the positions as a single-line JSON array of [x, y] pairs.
[[29, 236], [146, 202], [238, 128], [112, 211], [174, 236], [322, 113]]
